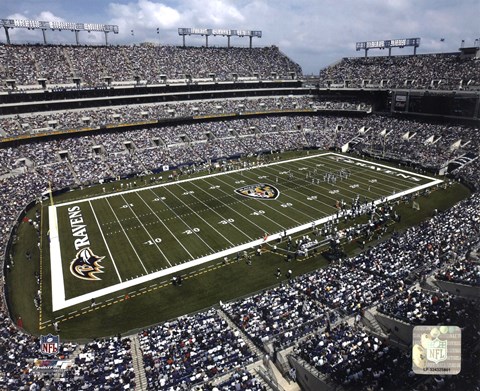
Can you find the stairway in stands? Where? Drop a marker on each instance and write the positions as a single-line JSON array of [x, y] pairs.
[[138, 367], [267, 371], [245, 338], [369, 321], [73, 71], [72, 170]]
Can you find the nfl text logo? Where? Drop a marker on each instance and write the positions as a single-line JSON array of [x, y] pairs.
[[49, 344], [437, 351]]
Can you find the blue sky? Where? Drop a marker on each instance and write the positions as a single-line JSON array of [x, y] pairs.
[[314, 33]]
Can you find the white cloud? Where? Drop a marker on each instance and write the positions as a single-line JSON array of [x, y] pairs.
[[145, 16], [49, 17], [214, 13]]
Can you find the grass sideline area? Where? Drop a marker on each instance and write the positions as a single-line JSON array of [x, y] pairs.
[[204, 285]]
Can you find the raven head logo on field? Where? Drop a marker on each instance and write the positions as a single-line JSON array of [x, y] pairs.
[[259, 190], [86, 264]]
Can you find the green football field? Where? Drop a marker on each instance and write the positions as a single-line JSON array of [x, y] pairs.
[[117, 241]]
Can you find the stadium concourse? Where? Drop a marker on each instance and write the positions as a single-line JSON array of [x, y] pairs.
[[320, 320]]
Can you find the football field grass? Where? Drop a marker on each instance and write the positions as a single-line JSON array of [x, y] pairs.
[[129, 225], [115, 241]]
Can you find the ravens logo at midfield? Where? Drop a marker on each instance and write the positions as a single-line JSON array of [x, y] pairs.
[[259, 190]]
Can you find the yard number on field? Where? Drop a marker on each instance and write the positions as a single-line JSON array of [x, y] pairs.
[[152, 242], [191, 231]]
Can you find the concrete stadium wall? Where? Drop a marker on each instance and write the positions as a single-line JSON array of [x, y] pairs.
[[307, 380], [398, 329], [467, 291]]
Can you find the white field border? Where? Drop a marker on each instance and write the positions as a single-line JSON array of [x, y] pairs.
[[58, 287]]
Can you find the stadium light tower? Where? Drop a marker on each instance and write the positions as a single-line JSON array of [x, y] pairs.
[[60, 26], [389, 44], [252, 34], [224, 32], [6, 27]]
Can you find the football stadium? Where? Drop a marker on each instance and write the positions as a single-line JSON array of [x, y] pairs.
[[181, 217]]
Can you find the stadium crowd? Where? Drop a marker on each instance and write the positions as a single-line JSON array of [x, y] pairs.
[[455, 230], [190, 350], [415, 306], [357, 360], [18, 350], [441, 71], [240, 380], [14, 125], [101, 365], [60, 64], [462, 272], [281, 312]]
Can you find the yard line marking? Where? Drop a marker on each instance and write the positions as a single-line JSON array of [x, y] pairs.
[[184, 222], [146, 230], [230, 172], [218, 214], [104, 240], [362, 167], [168, 229], [297, 200], [205, 221], [129, 241], [243, 202], [264, 205], [357, 171], [263, 230], [365, 167], [188, 180], [338, 184]]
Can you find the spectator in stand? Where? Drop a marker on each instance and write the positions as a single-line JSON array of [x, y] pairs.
[[442, 71]]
